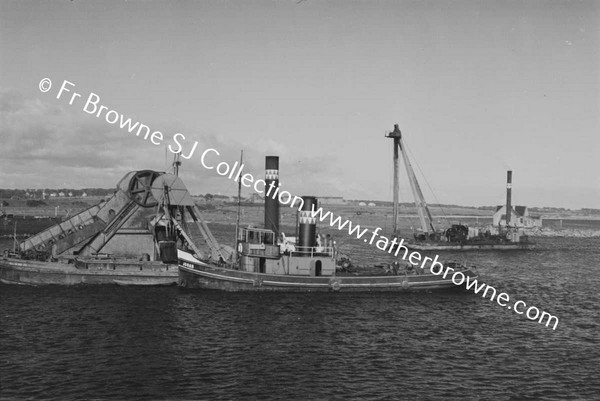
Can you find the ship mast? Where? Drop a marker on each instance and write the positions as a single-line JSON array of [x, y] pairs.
[[395, 135], [420, 203], [176, 164], [15, 243], [239, 210]]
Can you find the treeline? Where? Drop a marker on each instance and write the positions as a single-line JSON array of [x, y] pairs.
[[210, 197], [37, 193], [590, 211], [411, 204], [76, 193]]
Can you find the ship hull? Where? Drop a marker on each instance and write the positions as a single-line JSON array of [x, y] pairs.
[[121, 272], [204, 276]]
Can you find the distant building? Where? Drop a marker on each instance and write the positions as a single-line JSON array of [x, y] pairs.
[[519, 217], [331, 200], [61, 194], [362, 204], [372, 204]]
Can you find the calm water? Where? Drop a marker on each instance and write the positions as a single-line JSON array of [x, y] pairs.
[[110, 342]]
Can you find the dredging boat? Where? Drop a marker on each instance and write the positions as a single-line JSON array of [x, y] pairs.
[[132, 238], [268, 260], [458, 237]]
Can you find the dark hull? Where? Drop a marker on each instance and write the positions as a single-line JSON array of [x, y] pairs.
[[205, 276], [130, 272]]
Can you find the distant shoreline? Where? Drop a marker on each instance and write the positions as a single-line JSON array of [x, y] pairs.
[[59, 207]]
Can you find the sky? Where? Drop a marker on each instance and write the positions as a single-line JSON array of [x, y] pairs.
[[476, 87]]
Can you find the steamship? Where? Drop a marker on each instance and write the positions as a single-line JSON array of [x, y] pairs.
[[457, 237], [268, 260], [130, 239]]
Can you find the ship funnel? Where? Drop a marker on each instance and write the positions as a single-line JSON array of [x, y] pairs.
[[307, 224], [508, 196], [271, 201]]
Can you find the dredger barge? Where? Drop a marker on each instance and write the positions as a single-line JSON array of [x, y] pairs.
[[458, 237], [132, 238]]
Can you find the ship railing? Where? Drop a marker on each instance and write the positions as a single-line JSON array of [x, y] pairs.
[[313, 251]]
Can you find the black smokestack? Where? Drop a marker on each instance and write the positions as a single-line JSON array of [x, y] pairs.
[[271, 200], [508, 195], [307, 224]]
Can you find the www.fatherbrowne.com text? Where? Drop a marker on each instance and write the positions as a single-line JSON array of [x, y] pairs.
[[397, 248]]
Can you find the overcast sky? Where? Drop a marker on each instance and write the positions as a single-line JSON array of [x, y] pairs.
[[477, 87]]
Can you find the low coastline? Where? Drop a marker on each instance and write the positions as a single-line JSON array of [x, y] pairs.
[[566, 224], [563, 232]]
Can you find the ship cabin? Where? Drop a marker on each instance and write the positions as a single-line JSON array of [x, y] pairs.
[[262, 251], [267, 250], [258, 242]]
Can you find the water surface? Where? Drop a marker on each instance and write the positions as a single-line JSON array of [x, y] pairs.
[[118, 343]]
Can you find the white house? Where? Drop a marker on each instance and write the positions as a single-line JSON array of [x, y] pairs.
[[519, 217]]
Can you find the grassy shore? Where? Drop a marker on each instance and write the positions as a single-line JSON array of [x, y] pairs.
[[367, 217], [62, 207]]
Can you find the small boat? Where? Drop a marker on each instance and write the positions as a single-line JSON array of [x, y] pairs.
[[458, 237], [268, 260], [130, 239]]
